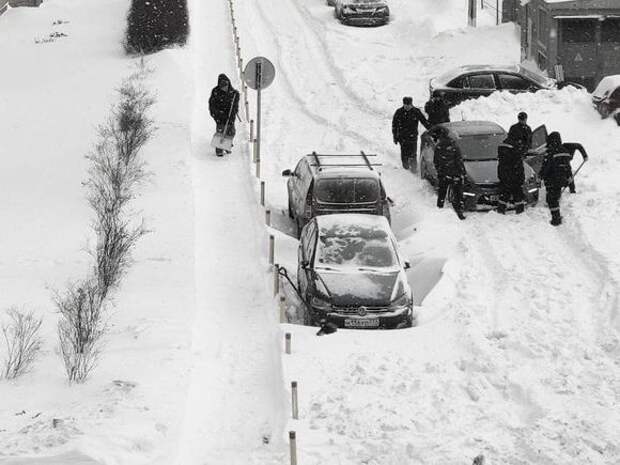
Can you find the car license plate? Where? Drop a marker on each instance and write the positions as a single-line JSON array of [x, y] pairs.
[[361, 323], [493, 198], [366, 11]]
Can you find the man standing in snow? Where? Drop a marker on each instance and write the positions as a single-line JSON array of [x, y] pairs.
[[450, 172], [223, 107], [405, 132], [557, 174], [511, 176], [521, 134], [437, 110]]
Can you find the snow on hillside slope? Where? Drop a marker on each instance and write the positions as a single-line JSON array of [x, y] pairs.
[[53, 96], [516, 354]]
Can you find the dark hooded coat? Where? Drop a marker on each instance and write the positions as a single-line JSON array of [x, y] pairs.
[[510, 171], [224, 103], [556, 170], [437, 110]]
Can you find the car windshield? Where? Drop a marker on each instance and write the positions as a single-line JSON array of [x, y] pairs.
[[354, 246], [347, 190], [480, 147], [542, 80]]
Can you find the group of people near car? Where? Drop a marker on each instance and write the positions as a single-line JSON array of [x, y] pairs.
[[555, 171]]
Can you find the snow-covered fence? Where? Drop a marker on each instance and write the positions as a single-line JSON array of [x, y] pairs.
[[239, 58]]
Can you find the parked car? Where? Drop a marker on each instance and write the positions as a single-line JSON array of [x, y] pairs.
[[331, 2], [362, 12], [606, 97], [473, 81], [327, 184], [350, 273], [478, 142]]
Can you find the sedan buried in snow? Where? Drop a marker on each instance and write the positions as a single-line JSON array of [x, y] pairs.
[[350, 273], [362, 12], [478, 142], [606, 97]]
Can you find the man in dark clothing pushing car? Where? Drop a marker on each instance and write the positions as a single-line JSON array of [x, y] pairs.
[[405, 132]]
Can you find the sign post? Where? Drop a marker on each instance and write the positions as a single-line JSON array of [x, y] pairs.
[[258, 75]]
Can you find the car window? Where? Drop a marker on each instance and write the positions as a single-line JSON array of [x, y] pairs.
[[615, 96], [457, 83], [511, 81], [347, 190], [308, 240], [346, 246], [298, 168], [480, 81]]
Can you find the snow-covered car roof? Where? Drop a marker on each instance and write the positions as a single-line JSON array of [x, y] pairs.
[[352, 220], [607, 85], [473, 128], [343, 166]]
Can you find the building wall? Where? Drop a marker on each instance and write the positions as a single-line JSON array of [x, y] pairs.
[[15, 3], [3, 5]]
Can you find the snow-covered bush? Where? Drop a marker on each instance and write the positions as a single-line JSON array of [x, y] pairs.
[[156, 24], [81, 328], [22, 342]]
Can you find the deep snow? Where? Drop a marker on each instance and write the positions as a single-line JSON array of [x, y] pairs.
[[516, 354]]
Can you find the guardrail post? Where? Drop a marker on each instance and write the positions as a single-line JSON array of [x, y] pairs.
[[262, 193], [282, 305], [287, 343], [251, 130], [293, 442], [268, 217], [272, 247]]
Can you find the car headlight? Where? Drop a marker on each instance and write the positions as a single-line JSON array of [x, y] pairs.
[[382, 9], [347, 9], [320, 303], [401, 301]]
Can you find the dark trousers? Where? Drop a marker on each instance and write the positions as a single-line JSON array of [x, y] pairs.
[[511, 193], [456, 184], [553, 197], [408, 152]]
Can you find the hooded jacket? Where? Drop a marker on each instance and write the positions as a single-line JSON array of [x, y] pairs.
[[224, 103], [437, 110], [556, 170], [447, 159]]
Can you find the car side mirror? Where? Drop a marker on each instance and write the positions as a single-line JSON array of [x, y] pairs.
[[407, 265], [287, 173]]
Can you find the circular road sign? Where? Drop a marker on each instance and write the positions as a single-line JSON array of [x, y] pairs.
[[259, 73]]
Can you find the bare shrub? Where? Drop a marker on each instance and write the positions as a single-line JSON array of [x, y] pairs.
[[116, 238], [81, 328], [22, 341]]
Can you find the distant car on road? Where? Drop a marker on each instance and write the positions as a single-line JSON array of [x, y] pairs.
[[326, 184], [473, 81], [606, 97], [350, 273], [362, 12], [478, 142]]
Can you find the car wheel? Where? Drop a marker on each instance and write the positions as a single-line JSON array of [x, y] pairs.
[[617, 117]]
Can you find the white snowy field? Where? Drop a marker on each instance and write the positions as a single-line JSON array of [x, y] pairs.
[[516, 355]]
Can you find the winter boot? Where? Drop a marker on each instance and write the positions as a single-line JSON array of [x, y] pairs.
[[520, 208], [219, 152], [556, 219], [501, 208], [440, 203], [460, 214]]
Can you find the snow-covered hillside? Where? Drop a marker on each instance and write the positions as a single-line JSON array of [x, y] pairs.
[[516, 355]]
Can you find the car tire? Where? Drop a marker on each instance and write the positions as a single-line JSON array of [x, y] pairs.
[[617, 118]]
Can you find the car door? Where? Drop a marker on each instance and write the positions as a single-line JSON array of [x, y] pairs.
[[515, 83], [536, 154], [479, 85], [295, 187], [427, 154]]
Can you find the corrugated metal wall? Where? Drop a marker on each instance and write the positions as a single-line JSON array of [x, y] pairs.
[[3, 5]]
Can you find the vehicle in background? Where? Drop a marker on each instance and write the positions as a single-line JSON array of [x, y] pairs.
[[362, 12], [350, 273], [478, 142], [325, 184], [331, 2], [606, 97], [473, 81]]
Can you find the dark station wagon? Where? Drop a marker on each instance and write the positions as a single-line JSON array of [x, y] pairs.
[[326, 184]]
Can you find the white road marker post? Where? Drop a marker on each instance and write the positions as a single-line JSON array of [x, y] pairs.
[[251, 129], [268, 217], [276, 279], [294, 400], [272, 249], [283, 317], [293, 442], [262, 193]]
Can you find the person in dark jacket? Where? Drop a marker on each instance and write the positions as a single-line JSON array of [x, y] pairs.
[[556, 172], [511, 175], [223, 107], [521, 134], [573, 147], [405, 132], [437, 110], [451, 172]]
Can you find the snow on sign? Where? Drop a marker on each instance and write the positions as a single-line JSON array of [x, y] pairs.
[[259, 73]]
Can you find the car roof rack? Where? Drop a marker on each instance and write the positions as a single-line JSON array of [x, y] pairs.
[[367, 163]]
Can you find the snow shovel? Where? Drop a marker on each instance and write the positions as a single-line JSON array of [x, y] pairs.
[[576, 171], [221, 140]]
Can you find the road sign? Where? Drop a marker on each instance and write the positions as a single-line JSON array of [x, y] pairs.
[[259, 73]]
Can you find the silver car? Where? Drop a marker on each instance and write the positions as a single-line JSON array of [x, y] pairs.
[[362, 12]]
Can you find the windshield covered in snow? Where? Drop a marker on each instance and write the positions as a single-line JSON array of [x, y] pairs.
[[480, 147], [347, 190], [354, 246]]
